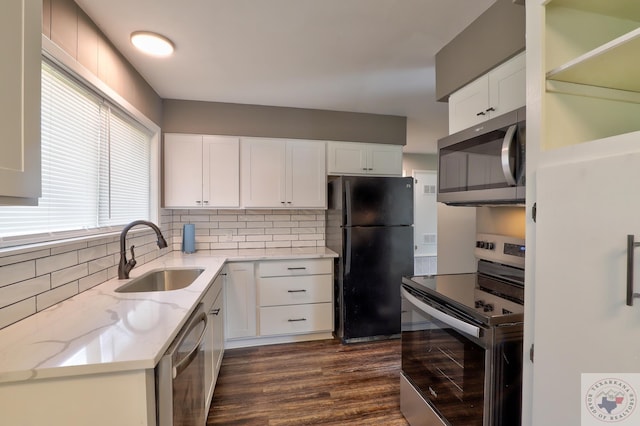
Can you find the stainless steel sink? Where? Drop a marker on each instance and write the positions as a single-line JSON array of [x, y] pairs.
[[161, 280]]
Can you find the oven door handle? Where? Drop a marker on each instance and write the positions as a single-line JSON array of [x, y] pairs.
[[459, 325]]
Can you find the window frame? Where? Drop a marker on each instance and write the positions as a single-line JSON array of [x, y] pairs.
[[62, 59]]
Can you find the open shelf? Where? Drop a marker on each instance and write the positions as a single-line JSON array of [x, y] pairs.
[[623, 9], [597, 67]]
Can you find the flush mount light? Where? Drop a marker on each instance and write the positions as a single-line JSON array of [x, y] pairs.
[[152, 43]]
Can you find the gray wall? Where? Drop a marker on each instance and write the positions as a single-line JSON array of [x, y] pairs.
[[65, 24], [411, 162], [497, 35], [181, 116]]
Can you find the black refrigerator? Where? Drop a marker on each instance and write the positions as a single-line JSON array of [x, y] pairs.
[[370, 226]]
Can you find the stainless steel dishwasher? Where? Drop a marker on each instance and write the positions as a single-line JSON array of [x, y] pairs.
[[180, 389]]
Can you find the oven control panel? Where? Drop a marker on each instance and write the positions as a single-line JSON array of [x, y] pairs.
[[500, 248]]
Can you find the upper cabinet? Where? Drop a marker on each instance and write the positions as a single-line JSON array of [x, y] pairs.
[[501, 90], [283, 173], [591, 88], [20, 28], [352, 158], [201, 171]]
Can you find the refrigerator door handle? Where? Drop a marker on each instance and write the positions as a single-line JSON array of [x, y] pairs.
[[347, 191], [347, 258]]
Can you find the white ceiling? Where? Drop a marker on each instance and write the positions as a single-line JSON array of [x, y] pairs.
[[373, 56]]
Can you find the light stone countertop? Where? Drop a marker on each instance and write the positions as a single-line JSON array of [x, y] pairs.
[[101, 331]]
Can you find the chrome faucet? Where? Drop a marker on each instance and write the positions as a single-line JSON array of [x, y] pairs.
[[125, 266]]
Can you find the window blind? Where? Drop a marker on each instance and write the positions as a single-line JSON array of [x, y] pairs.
[[95, 165]]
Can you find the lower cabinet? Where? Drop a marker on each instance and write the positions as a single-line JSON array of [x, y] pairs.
[[214, 336], [279, 299], [240, 298]]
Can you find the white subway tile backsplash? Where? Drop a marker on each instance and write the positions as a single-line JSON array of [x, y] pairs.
[[251, 238], [285, 237], [94, 279], [278, 244], [92, 253], [17, 311], [15, 272], [57, 262], [65, 248], [13, 293], [251, 245], [8, 260], [233, 225], [33, 278], [277, 231], [303, 244], [58, 294], [67, 275], [278, 217], [102, 263]]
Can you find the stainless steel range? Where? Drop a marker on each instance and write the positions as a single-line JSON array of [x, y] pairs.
[[462, 341]]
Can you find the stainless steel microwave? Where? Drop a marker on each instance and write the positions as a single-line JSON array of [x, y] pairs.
[[484, 165]]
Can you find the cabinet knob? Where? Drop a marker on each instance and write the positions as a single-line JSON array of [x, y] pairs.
[[198, 202]]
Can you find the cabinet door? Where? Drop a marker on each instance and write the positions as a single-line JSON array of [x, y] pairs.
[[346, 158], [263, 172], [218, 335], [507, 86], [468, 106], [587, 208], [20, 175], [385, 160], [306, 174], [182, 170], [220, 171], [240, 301]]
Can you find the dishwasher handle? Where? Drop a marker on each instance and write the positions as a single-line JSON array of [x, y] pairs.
[[459, 325], [180, 366]]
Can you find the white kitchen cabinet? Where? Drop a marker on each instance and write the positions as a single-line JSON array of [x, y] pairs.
[[501, 90], [295, 296], [354, 158], [21, 31], [582, 166], [201, 171], [240, 300], [277, 301], [283, 173], [214, 338]]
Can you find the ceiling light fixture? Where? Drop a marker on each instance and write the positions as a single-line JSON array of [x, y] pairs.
[[152, 43]]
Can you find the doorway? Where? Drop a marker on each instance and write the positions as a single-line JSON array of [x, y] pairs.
[[425, 222]]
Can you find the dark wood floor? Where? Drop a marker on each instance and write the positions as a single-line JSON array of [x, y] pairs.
[[309, 383]]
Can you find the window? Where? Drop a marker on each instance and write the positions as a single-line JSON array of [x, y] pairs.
[[95, 165]]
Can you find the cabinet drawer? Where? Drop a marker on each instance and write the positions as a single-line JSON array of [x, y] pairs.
[[273, 291], [295, 319], [283, 268]]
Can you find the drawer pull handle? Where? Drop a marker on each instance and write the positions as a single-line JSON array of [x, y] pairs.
[[216, 311], [297, 291], [297, 268], [297, 319]]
